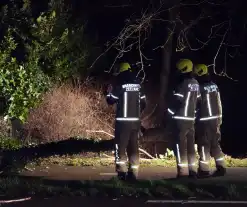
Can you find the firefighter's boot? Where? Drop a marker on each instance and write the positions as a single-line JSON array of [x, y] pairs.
[[220, 171], [203, 174], [122, 176]]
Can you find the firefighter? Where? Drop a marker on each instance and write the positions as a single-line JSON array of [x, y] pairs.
[[209, 122], [183, 105], [130, 100]]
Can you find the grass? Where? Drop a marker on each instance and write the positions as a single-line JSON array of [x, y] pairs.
[[166, 189], [8, 143], [82, 160], [54, 153], [77, 152]]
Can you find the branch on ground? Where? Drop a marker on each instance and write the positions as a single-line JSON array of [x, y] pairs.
[[111, 135]]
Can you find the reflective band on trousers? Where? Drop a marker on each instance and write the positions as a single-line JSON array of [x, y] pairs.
[[120, 163], [210, 118], [134, 166], [178, 153], [219, 159], [203, 154], [179, 159], [203, 162], [183, 165], [116, 152], [186, 165], [183, 118], [142, 97], [127, 119]]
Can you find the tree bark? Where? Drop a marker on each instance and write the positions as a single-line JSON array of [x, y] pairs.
[[165, 71], [17, 127]]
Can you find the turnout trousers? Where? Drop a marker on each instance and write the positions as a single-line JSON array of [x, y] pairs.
[[208, 140], [185, 146], [126, 141]]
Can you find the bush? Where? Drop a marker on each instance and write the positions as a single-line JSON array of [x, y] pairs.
[[21, 83], [4, 127], [7, 143], [69, 112], [52, 50]]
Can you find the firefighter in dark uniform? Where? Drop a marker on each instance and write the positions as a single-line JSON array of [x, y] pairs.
[[209, 122], [182, 108], [130, 103]]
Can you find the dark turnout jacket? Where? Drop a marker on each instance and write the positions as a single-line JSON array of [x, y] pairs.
[[128, 96], [184, 101], [210, 102]]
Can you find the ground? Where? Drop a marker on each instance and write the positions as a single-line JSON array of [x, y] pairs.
[[79, 202], [157, 183], [56, 171]]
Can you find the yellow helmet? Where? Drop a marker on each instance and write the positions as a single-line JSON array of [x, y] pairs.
[[185, 66], [124, 67], [201, 69]]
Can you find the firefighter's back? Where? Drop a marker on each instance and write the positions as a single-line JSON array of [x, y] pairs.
[[190, 90], [128, 109], [210, 102]]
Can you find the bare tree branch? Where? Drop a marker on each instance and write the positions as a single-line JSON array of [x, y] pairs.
[[136, 32], [218, 51], [183, 41], [118, 6]]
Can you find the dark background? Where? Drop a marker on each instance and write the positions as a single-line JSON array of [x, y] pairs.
[[104, 20], [108, 21]]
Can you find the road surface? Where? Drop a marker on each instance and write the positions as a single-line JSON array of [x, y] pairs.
[[105, 173], [79, 202]]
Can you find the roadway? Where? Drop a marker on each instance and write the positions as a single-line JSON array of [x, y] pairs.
[[105, 173], [83, 201]]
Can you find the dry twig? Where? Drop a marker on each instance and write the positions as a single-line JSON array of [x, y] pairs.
[[101, 131]]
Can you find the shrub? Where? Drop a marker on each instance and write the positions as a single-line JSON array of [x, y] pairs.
[[52, 50], [21, 83], [62, 45], [4, 127], [7, 143], [69, 112]]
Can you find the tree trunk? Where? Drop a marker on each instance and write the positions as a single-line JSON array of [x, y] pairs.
[[162, 130], [17, 127], [165, 72]]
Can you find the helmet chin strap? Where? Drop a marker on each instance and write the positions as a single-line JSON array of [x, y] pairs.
[[184, 69]]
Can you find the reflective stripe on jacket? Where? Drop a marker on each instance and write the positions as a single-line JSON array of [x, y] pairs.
[[210, 102], [185, 100], [130, 101]]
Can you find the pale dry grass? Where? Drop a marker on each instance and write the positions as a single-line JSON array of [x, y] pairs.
[[69, 112], [4, 128]]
